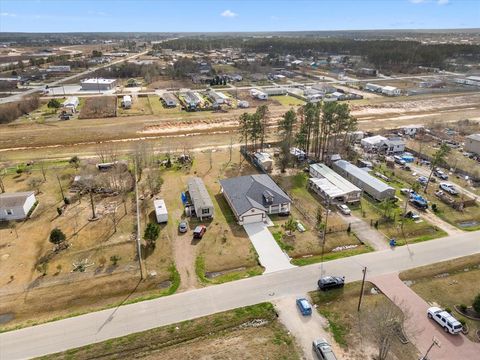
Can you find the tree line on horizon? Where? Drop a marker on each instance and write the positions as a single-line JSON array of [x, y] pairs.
[[383, 54]]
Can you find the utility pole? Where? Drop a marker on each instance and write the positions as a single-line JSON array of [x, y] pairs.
[[324, 237], [139, 247], [61, 189], [434, 342], [94, 216], [363, 285]]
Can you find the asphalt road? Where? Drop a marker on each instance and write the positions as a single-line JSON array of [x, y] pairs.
[[102, 325]]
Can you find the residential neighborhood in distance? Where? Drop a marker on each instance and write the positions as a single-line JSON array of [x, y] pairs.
[[240, 180]]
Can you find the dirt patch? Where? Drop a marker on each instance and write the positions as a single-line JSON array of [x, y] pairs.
[[99, 107]]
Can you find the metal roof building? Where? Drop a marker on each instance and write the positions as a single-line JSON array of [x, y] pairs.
[[374, 187], [330, 185], [201, 201]]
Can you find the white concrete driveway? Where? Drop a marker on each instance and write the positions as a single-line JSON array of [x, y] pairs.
[[269, 253]]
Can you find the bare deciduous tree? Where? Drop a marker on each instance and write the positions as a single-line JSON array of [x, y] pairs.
[[382, 324]]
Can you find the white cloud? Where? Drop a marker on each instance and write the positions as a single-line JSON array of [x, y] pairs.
[[443, 2], [417, 1], [228, 13], [6, 14]]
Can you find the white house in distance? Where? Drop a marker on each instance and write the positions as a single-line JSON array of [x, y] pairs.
[[381, 144], [98, 84], [391, 91], [161, 212], [71, 104], [472, 143], [16, 206], [412, 130], [257, 94], [372, 143]]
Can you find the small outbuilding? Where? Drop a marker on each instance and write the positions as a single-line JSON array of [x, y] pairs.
[[127, 102], [161, 212], [16, 206]]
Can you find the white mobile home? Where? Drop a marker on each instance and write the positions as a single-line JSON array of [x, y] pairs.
[[275, 91], [16, 206], [160, 211], [201, 204], [391, 91], [71, 104], [257, 94], [373, 87]]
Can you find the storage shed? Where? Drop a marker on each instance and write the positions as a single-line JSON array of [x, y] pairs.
[[201, 204], [16, 206], [160, 211], [374, 187]]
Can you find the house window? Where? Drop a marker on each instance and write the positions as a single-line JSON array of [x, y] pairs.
[[9, 211], [205, 211]]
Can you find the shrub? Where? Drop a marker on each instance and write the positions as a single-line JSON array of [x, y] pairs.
[[447, 309], [57, 236], [462, 307], [151, 233], [476, 303], [434, 208], [115, 259]]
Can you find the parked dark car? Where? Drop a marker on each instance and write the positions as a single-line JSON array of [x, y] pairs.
[[199, 231], [331, 282]]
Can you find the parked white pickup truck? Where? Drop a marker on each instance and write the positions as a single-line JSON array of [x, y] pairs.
[[445, 319]]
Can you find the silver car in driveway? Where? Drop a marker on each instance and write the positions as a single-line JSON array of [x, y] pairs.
[[323, 350]]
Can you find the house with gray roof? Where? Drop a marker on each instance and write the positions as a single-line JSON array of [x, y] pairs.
[[16, 206], [201, 204], [253, 197]]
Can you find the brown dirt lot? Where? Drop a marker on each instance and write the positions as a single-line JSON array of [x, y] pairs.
[[99, 107], [225, 245], [29, 295]]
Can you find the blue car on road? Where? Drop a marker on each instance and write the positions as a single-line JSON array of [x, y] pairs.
[[304, 307]]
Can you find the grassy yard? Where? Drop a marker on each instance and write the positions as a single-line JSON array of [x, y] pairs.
[[455, 158], [287, 100], [306, 247], [228, 335], [157, 107], [352, 330], [413, 231], [468, 219], [140, 106], [448, 284]]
